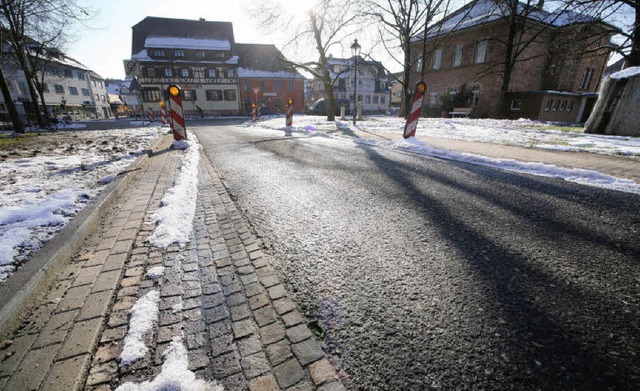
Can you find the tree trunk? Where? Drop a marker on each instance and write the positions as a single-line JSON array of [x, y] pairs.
[[11, 107]]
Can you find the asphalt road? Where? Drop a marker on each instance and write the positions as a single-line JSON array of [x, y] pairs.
[[420, 273]]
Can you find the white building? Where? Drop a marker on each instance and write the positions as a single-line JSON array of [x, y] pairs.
[[68, 87], [373, 92]]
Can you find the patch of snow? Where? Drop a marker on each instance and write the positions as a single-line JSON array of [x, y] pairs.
[[144, 314], [175, 374], [186, 43], [175, 217], [155, 272], [626, 73], [108, 179]]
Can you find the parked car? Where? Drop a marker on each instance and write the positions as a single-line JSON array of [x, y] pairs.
[[319, 107]]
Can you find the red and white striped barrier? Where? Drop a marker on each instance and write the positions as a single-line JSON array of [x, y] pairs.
[[416, 108], [150, 115], [177, 114], [290, 112], [163, 113]]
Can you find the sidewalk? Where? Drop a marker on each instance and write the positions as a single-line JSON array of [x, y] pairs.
[[220, 295]]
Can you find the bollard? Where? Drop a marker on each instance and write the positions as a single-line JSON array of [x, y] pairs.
[[163, 113], [150, 115], [343, 113], [253, 112]]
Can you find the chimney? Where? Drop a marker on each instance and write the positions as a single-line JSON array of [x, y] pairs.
[[540, 5]]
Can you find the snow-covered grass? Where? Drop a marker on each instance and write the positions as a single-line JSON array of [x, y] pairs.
[[525, 133], [175, 216], [47, 178]]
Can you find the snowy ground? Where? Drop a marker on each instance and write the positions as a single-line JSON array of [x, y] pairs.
[[45, 181], [48, 178]]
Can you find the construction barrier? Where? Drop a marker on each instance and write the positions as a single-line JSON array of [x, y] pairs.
[[177, 113], [416, 108], [289, 112]]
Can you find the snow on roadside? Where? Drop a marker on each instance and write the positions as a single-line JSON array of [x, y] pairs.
[[155, 272], [175, 217], [144, 314], [496, 131], [175, 374]]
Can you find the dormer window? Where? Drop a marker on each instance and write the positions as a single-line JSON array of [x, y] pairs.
[[179, 53], [200, 54], [158, 53]]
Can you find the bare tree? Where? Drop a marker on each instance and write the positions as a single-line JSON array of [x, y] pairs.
[[625, 14], [326, 26], [31, 27], [402, 23]]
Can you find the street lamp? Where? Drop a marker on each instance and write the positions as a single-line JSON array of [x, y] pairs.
[[355, 50]]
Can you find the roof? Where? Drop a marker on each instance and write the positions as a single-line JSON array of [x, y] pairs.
[[190, 31], [480, 12], [263, 61]]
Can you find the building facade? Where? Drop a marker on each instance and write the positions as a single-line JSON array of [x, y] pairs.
[[265, 78], [552, 84], [197, 55], [70, 90], [373, 92]]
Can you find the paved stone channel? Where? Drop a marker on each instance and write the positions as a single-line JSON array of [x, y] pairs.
[[220, 293]]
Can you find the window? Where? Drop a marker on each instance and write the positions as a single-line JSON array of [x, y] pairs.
[[516, 105], [549, 104], [277, 85], [563, 105], [437, 59], [200, 54], [220, 55], [453, 91], [151, 95], [158, 53], [481, 52], [556, 105], [231, 73], [185, 72], [97, 96], [383, 100], [151, 72], [214, 95], [189, 95], [211, 73], [230, 95], [80, 75], [291, 85], [68, 73], [85, 92], [419, 65], [58, 88], [367, 99], [570, 105], [457, 56], [376, 99], [168, 72], [178, 53], [586, 79], [247, 85], [73, 90], [433, 99], [103, 98]]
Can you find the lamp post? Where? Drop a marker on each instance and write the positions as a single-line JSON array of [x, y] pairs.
[[355, 50]]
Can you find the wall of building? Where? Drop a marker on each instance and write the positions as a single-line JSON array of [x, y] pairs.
[[273, 94]]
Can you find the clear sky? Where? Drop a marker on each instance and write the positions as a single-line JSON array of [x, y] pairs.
[[106, 41]]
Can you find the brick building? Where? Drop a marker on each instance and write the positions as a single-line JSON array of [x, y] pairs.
[[265, 78], [552, 84]]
